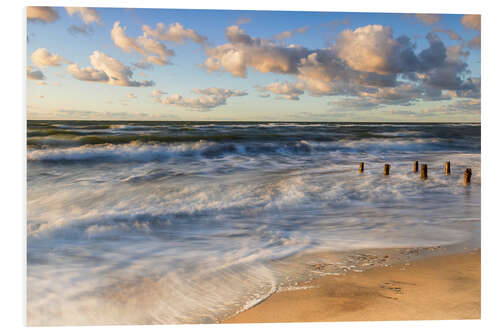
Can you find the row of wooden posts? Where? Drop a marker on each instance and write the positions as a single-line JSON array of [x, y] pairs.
[[423, 170]]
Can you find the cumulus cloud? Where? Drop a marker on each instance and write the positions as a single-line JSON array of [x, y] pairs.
[[367, 63], [428, 19], [153, 51], [88, 15], [34, 74], [127, 44], [448, 75], [473, 22], [43, 58], [289, 90], [370, 49], [208, 98], [373, 48], [41, 14], [174, 33], [244, 51], [106, 69]]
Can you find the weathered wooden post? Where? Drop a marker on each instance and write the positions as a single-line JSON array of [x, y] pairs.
[[423, 171], [361, 167], [447, 168], [467, 176], [415, 167], [387, 167]]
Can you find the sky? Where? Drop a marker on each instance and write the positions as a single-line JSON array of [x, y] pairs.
[[162, 64]]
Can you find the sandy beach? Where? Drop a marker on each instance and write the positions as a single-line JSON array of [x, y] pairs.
[[434, 288]]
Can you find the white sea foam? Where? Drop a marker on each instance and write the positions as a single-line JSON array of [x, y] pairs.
[[195, 232]]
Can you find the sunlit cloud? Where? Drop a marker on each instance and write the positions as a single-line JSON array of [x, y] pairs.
[[106, 69], [428, 19], [287, 90], [473, 22], [363, 63], [287, 34], [175, 32], [43, 58], [41, 14], [153, 51], [88, 15], [208, 98]]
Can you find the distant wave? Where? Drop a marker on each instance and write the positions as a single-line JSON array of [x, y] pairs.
[[145, 152]]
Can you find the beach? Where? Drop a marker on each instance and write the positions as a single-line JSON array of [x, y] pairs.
[[444, 287], [194, 222]]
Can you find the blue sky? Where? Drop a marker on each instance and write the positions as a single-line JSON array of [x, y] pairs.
[[114, 63]]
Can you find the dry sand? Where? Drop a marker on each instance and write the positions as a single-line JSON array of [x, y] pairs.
[[440, 287]]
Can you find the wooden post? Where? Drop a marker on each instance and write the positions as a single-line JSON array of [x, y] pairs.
[[387, 167], [447, 168], [467, 176], [423, 171], [415, 167], [361, 167]]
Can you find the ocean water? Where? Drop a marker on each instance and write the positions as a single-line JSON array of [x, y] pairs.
[[190, 222]]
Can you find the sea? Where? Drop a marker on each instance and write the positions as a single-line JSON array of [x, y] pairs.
[[133, 222]]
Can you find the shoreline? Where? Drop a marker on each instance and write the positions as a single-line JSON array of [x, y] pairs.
[[439, 286]]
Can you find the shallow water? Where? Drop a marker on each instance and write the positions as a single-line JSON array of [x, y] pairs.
[[185, 222]]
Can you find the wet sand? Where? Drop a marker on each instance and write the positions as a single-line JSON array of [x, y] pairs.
[[433, 288]]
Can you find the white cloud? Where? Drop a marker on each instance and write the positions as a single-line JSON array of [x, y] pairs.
[[174, 33], [131, 95], [125, 43], [87, 73], [106, 69], [244, 51], [369, 49], [366, 63], [289, 90], [153, 51], [88, 15], [41, 14], [43, 58], [208, 98]]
